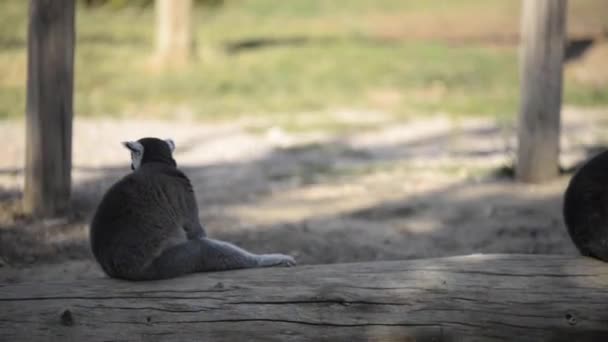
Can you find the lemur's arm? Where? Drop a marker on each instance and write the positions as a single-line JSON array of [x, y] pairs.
[[193, 227], [192, 224]]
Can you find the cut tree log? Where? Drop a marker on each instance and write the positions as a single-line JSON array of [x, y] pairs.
[[470, 298]]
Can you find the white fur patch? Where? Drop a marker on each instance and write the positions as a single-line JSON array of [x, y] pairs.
[[137, 153]]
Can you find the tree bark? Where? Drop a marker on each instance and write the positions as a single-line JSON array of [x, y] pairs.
[[472, 298], [50, 81], [174, 38], [541, 55]]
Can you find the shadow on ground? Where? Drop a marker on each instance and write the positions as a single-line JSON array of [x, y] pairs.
[[482, 214], [574, 48]]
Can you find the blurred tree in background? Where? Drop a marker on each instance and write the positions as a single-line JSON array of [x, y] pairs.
[[175, 41]]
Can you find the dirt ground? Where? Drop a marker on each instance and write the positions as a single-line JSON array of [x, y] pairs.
[[425, 188]]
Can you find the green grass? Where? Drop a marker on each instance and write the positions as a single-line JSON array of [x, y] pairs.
[[363, 56]]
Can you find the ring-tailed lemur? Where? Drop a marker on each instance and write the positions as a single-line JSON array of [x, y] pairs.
[[146, 226], [586, 207]]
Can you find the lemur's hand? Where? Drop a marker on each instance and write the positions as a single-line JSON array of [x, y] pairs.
[[272, 260]]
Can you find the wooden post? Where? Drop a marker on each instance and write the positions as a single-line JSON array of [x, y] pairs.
[[174, 38], [541, 54], [50, 79]]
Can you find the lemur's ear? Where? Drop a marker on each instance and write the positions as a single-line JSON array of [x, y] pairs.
[[133, 146], [171, 144]]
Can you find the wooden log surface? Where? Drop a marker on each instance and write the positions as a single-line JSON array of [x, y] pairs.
[[469, 298]]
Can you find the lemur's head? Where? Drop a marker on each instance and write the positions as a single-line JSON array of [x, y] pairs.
[[146, 150]]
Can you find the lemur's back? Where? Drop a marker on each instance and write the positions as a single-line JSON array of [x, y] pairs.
[[139, 216], [147, 226]]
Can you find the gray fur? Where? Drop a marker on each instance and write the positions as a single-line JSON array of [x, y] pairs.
[[146, 226]]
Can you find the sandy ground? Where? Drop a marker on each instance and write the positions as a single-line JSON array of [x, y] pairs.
[[426, 188]]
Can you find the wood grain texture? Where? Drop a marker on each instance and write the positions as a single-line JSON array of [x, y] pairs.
[[50, 84], [471, 298], [543, 28]]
